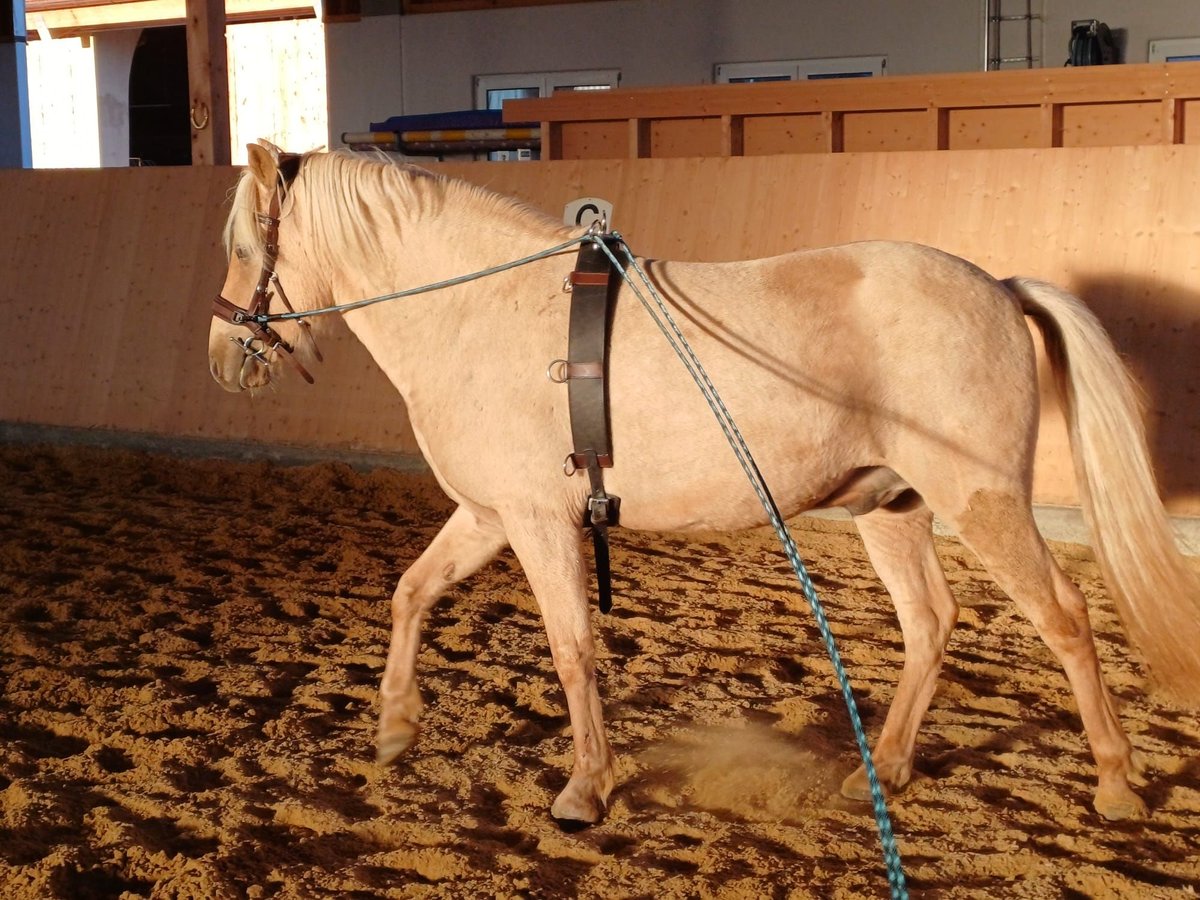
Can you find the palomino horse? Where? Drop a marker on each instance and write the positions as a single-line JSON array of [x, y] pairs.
[[891, 379]]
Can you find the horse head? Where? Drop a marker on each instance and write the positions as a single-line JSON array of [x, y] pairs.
[[242, 347]]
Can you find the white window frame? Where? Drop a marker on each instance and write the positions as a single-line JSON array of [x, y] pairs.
[[545, 82], [1174, 50], [801, 69]]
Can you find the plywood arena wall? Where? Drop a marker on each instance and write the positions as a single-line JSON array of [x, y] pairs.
[[107, 277]]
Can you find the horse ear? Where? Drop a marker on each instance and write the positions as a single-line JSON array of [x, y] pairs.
[[263, 165]]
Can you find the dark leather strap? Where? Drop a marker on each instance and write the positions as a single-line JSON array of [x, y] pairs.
[[593, 294], [603, 510]]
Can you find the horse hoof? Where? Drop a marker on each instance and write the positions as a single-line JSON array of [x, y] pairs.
[[574, 813], [571, 826], [392, 745], [857, 787], [1119, 805]]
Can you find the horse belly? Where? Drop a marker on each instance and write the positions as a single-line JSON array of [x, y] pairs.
[[689, 479]]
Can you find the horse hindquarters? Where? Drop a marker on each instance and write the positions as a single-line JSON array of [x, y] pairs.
[[1001, 531], [971, 463], [997, 524], [1155, 592]]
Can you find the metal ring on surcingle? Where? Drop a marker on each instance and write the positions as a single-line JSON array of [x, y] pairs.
[[557, 371]]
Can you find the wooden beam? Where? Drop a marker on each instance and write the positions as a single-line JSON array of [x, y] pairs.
[[552, 142], [639, 138], [833, 131], [72, 19], [1172, 121], [208, 82], [733, 135], [15, 148], [960, 90]]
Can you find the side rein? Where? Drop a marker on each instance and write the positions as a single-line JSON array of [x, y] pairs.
[[253, 315]]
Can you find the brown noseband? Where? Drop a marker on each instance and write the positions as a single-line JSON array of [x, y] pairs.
[[253, 316]]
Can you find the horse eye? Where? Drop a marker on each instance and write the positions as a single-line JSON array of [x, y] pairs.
[[242, 252]]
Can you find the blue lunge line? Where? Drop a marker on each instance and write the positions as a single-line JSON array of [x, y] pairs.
[[662, 317]]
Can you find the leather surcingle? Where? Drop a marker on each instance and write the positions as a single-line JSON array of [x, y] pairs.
[[593, 295]]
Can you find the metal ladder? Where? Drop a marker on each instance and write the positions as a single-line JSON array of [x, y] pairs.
[[1001, 25]]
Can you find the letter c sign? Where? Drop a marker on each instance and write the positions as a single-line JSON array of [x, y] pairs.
[[586, 210]]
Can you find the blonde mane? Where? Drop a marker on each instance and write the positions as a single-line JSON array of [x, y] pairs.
[[350, 194]]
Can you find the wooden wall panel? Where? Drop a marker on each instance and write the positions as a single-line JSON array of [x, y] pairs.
[[763, 135], [278, 87], [109, 274], [1106, 124], [996, 128], [673, 138], [593, 140], [109, 278], [1128, 105], [892, 130], [1188, 122]]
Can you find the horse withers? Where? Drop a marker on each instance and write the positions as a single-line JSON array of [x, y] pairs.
[[889, 378]]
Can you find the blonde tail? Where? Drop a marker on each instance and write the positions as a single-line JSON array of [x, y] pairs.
[[1157, 594]]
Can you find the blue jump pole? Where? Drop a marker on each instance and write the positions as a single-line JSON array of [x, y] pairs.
[[15, 147]]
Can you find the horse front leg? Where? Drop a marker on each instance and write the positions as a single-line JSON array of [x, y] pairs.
[[468, 541], [551, 555]]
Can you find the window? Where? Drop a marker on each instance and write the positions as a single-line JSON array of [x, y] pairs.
[[1175, 50], [492, 90], [800, 69]]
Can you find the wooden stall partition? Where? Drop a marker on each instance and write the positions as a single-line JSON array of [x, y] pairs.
[[109, 275], [1068, 107]]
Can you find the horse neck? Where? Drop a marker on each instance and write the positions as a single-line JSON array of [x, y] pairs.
[[404, 229], [412, 236]]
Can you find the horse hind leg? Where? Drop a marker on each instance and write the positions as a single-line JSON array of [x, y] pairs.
[[999, 528], [900, 546], [466, 543]]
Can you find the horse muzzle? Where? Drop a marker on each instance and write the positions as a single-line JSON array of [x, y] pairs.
[[258, 348]]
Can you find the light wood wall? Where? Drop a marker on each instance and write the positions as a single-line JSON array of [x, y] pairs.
[[1090, 106], [108, 276]]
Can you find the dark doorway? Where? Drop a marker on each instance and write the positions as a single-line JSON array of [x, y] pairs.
[[159, 131]]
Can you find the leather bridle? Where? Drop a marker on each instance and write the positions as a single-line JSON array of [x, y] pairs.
[[254, 316]]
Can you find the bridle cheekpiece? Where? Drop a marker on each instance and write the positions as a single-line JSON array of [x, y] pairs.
[[255, 316]]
